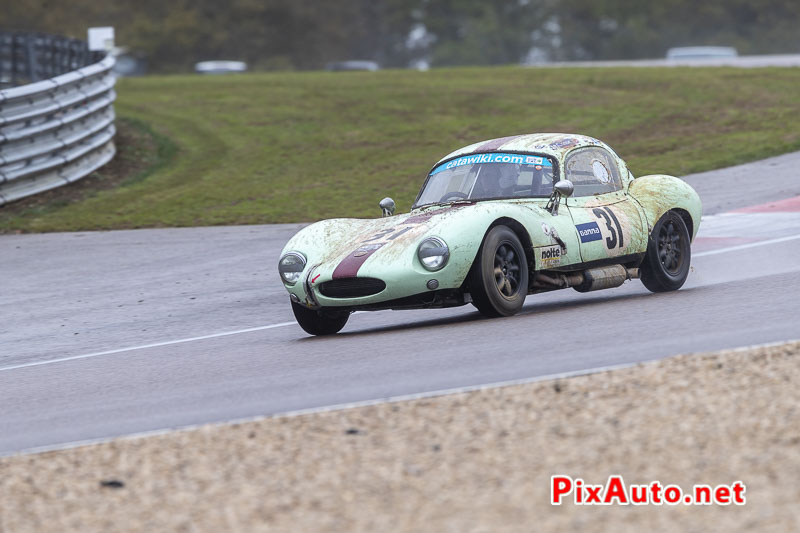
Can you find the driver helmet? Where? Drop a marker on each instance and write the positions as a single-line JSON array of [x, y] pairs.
[[508, 176], [498, 179]]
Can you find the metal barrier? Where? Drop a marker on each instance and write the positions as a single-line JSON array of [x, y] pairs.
[[57, 130]]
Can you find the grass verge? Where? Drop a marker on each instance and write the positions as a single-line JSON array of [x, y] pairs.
[[287, 147]]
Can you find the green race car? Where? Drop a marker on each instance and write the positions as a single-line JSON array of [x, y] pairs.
[[494, 222]]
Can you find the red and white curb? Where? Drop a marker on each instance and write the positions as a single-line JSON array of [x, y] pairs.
[[757, 225]]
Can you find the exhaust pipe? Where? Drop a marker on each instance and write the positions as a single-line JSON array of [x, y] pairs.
[[594, 279]]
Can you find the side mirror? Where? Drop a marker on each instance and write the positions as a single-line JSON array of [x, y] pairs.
[[562, 188], [387, 206]]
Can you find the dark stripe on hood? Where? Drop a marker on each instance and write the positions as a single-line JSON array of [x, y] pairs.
[[350, 265]]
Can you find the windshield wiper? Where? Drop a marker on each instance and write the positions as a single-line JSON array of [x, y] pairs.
[[442, 204]]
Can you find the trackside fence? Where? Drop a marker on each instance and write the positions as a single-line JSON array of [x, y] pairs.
[[56, 114]]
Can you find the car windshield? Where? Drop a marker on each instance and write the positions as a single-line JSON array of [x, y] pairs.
[[488, 176]]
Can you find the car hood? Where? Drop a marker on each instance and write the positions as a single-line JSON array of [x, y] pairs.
[[339, 247]]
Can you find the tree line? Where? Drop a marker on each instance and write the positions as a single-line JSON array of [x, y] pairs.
[[307, 34]]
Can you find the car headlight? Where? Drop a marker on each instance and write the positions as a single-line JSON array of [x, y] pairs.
[[291, 266], [433, 253]]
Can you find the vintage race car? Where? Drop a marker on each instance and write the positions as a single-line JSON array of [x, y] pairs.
[[494, 222]]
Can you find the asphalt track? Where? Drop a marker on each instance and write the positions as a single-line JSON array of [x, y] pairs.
[[112, 333]]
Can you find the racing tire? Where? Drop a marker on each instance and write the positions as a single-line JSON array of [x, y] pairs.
[[498, 280], [667, 261], [319, 322]]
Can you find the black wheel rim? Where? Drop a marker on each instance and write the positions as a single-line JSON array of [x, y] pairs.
[[670, 248], [506, 270]]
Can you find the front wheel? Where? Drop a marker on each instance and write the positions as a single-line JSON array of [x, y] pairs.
[[319, 322], [666, 264], [498, 281]]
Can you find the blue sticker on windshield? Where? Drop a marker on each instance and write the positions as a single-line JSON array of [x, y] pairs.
[[499, 157], [589, 232]]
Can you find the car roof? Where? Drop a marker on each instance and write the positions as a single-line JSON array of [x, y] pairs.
[[353, 64], [554, 144], [220, 66], [686, 52]]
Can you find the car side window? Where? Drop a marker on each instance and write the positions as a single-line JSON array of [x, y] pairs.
[[592, 171]]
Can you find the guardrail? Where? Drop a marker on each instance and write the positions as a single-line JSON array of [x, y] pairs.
[[58, 130]]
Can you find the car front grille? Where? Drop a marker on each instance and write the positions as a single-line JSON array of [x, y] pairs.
[[351, 287]]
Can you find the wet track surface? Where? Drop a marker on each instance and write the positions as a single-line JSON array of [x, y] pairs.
[[112, 333]]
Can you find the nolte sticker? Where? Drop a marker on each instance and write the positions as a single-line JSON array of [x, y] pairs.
[[550, 256]]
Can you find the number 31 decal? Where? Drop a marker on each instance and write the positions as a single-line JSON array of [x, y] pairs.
[[390, 234], [608, 215]]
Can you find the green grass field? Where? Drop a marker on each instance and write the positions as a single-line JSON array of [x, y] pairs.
[[263, 148]]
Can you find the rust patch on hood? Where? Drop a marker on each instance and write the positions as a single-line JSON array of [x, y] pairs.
[[424, 217]]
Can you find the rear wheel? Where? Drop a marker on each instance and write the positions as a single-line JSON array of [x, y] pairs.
[[319, 322], [666, 264], [498, 281]]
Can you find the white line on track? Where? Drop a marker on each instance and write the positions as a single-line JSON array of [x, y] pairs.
[[145, 346], [284, 324], [746, 246]]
